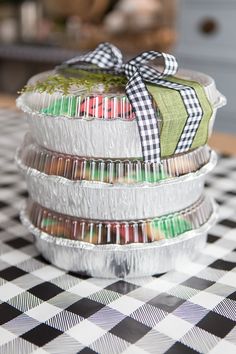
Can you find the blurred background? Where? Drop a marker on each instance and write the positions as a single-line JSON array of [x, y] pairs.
[[36, 35]]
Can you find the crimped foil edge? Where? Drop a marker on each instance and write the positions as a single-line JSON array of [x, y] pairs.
[[110, 171], [94, 184], [116, 247], [109, 231], [89, 101]]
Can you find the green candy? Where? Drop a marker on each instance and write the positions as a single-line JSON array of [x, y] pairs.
[[172, 227], [47, 222], [65, 106]]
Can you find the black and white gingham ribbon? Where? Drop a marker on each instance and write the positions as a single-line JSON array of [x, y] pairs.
[[109, 58]]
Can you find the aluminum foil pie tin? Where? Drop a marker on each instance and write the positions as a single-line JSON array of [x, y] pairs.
[[98, 102], [115, 260], [113, 127], [111, 171], [113, 139], [102, 201]]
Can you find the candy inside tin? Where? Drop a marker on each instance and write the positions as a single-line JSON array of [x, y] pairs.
[[119, 232], [122, 261], [80, 94], [110, 170]]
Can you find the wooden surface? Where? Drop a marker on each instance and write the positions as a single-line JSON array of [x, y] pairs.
[[222, 142], [225, 143], [7, 101]]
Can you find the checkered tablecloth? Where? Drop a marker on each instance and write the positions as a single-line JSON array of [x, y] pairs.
[[46, 310]]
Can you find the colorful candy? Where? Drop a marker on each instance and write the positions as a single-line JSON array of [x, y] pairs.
[[105, 232], [100, 107]]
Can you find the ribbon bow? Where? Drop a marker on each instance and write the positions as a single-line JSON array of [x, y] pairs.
[[109, 58]]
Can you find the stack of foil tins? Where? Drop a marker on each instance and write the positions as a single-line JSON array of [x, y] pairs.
[[95, 206]]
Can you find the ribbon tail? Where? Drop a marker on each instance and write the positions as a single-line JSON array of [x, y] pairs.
[[146, 116], [195, 114]]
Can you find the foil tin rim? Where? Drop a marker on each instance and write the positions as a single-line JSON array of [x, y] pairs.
[[26, 109], [120, 231], [109, 171], [219, 103], [116, 247], [205, 169]]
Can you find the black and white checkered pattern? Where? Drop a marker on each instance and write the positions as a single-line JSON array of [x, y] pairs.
[[45, 310], [107, 56], [194, 113], [146, 116]]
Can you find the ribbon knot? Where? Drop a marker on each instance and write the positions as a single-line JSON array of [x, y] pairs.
[[138, 71], [129, 69]]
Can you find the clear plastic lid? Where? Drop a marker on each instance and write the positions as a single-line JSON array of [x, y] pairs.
[[120, 232], [109, 170], [76, 93]]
